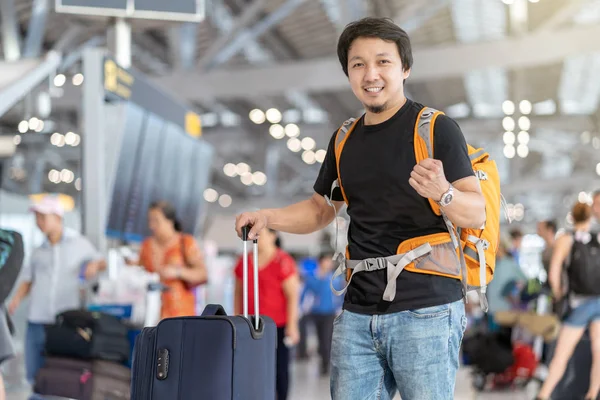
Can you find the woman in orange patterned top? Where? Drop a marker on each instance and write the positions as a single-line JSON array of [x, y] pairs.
[[176, 257]]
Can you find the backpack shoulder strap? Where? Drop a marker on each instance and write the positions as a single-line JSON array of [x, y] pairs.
[[423, 141], [340, 140]]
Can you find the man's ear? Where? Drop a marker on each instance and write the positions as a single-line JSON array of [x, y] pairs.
[[406, 73]]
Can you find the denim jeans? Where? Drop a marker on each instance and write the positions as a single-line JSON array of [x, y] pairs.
[[415, 352], [35, 340]]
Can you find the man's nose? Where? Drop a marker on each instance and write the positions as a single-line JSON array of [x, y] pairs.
[[372, 73]]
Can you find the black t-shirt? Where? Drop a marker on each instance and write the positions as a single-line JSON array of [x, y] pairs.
[[385, 210]]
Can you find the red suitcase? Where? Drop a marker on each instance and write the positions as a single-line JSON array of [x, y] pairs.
[[83, 380]]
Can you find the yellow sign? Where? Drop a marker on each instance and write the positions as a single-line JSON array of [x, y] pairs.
[[117, 80], [193, 126]]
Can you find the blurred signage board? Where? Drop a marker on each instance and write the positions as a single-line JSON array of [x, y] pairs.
[[175, 10], [128, 84]]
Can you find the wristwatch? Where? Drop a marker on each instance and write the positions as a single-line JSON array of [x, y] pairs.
[[447, 197]]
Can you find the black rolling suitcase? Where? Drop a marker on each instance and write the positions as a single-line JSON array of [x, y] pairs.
[[88, 335], [214, 356]]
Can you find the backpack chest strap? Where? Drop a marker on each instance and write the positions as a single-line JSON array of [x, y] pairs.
[[394, 265]]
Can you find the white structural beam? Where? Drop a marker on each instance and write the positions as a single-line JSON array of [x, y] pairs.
[[182, 45], [248, 16], [36, 29], [11, 38], [325, 75], [566, 11]]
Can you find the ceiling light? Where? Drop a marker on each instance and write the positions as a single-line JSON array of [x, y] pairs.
[[259, 178], [508, 137], [523, 137], [76, 141], [17, 140], [55, 138], [292, 130], [54, 176], [273, 115], [78, 184], [40, 126], [59, 80], [508, 107], [77, 79], [246, 178], [210, 195], [522, 150], [524, 123], [583, 197], [230, 170], [257, 116], [70, 138], [525, 106], [598, 168], [508, 124], [586, 137], [242, 168], [66, 176], [225, 200], [33, 123], [509, 151], [308, 143], [294, 145], [309, 157], [23, 126], [320, 155], [277, 131]]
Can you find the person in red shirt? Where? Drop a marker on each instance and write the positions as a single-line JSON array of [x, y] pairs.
[[279, 293]]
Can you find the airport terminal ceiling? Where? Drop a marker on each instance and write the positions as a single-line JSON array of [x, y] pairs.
[[521, 79]]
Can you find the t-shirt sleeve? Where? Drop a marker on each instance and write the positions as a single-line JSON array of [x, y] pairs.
[[328, 173], [450, 147], [287, 268]]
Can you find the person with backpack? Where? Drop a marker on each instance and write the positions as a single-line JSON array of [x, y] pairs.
[[579, 252], [409, 180]]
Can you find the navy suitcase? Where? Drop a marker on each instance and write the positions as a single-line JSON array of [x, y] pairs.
[[214, 356]]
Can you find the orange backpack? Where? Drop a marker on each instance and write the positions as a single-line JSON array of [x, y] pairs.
[[462, 253]]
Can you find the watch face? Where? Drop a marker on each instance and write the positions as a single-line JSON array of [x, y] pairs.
[[448, 198]]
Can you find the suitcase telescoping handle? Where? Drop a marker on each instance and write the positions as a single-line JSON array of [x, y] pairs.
[[245, 231]]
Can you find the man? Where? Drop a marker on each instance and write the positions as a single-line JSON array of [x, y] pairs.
[[52, 277], [596, 208], [547, 231], [410, 344]]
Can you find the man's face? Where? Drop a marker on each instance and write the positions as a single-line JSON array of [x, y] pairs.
[[596, 207], [375, 73], [541, 229], [47, 223]]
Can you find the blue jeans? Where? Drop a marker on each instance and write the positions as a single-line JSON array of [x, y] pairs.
[[35, 341], [415, 352], [584, 314]]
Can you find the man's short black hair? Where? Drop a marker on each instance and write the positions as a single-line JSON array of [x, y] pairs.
[[551, 224], [516, 234], [371, 27]]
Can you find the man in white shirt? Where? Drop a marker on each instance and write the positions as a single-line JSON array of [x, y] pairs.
[[52, 278]]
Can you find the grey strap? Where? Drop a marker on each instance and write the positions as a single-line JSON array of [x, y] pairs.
[[394, 264], [423, 128], [394, 270], [481, 245], [343, 131]]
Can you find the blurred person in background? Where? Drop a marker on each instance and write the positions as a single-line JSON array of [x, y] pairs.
[[596, 210], [503, 290], [516, 240], [279, 294], [325, 306], [176, 257], [578, 251], [547, 231], [52, 278]]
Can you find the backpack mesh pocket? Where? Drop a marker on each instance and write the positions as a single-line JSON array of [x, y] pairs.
[[442, 259]]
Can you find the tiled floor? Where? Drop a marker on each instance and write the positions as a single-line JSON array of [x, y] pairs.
[[307, 385]]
